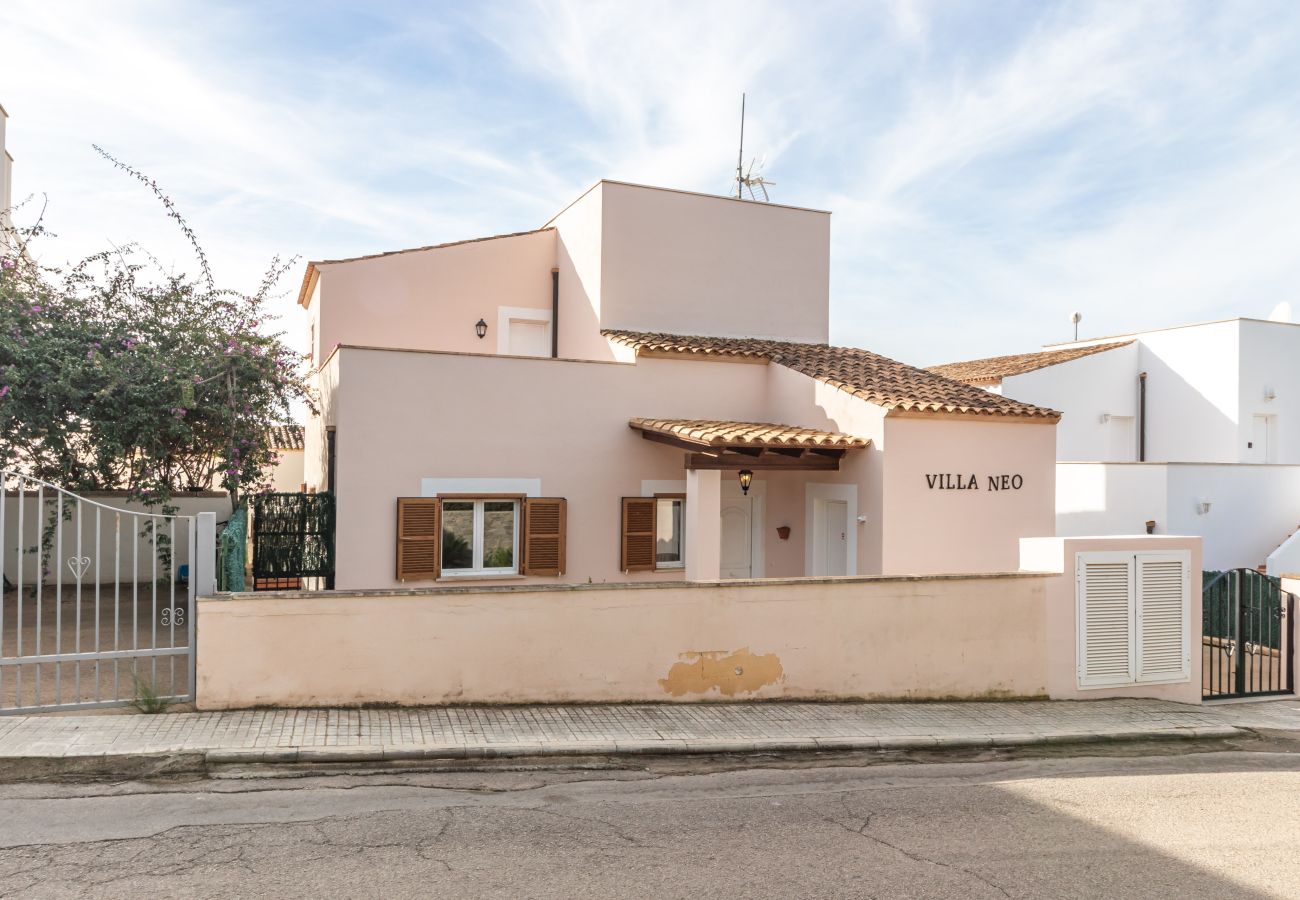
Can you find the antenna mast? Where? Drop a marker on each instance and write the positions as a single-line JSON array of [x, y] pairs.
[[740, 157], [756, 184]]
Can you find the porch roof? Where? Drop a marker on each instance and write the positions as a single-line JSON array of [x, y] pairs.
[[702, 433], [717, 444]]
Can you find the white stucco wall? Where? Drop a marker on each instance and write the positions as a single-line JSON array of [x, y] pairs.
[[1252, 507], [1192, 393], [1270, 362], [6, 175], [1085, 390]]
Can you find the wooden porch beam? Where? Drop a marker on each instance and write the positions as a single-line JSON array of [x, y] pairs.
[[767, 461]]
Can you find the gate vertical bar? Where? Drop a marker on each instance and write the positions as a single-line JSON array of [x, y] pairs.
[[76, 668], [1239, 682], [1290, 644], [22, 536], [171, 615], [59, 587], [58, 604], [117, 601], [153, 620], [98, 578], [4, 505]]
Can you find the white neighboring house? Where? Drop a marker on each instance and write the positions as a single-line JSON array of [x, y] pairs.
[[6, 179], [1193, 429], [287, 442]]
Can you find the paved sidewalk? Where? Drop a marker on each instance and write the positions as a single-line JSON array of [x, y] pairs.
[[267, 735]]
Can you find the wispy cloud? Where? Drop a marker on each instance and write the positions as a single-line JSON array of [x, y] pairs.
[[991, 166]]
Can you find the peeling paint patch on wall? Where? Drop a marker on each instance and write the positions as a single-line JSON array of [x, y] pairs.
[[738, 672]]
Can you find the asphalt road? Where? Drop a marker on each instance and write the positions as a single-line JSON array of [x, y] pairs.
[[1214, 825]]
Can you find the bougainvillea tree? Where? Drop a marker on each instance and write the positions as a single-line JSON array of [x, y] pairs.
[[115, 374]]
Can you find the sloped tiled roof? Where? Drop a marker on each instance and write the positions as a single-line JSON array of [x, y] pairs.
[[714, 433], [286, 437], [863, 374], [995, 368]]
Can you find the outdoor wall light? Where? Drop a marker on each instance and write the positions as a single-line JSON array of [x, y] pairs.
[[480, 328], [746, 479], [1269, 395], [1203, 507], [783, 532]]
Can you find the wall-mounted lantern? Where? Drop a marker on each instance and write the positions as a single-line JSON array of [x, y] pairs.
[[746, 479], [783, 532], [1203, 507], [480, 328], [1151, 526], [1269, 395]]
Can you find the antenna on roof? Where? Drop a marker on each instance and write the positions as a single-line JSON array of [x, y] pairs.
[[1076, 318], [747, 180]]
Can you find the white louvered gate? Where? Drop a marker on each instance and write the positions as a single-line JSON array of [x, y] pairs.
[[96, 602], [1133, 618]]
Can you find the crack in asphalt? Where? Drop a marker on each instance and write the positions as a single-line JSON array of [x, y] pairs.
[[863, 831]]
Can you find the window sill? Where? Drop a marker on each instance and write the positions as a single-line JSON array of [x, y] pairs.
[[478, 577]]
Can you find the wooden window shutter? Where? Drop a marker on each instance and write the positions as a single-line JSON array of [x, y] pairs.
[[1105, 584], [1163, 651], [544, 526], [419, 532], [638, 545]]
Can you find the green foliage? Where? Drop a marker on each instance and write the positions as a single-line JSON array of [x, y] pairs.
[[116, 374], [499, 558], [146, 698], [456, 551]]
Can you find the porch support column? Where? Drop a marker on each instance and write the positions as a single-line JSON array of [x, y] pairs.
[[703, 524]]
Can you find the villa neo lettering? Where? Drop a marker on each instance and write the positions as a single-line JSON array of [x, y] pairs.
[[956, 481]]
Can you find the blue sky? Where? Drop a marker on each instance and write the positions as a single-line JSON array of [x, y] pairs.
[[991, 166]]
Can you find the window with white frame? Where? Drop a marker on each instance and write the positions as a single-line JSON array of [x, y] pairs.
[[480, 537], [669, 532]]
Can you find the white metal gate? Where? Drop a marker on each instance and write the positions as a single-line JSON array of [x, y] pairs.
[[97, 606]]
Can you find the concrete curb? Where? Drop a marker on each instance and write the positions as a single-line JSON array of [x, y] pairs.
[[155, 764], [671, 747]]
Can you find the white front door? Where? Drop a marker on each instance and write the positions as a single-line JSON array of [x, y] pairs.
[[737, 537], [835, 537]]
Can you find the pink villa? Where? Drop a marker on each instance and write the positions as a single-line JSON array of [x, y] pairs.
[[642, 390]]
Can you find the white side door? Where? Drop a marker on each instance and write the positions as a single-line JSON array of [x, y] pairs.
[[835, 536], [737, 537], [1259, 434]]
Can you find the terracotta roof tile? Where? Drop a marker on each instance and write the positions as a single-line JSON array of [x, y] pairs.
[[864, 374], [714, 433], [286, 437], [995, 368]]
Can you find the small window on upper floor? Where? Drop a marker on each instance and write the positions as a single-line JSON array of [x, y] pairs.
[[529, 337]]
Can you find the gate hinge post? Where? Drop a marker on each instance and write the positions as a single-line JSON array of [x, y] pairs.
[[205, 552]]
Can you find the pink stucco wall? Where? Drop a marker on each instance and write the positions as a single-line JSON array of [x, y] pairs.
[[562, 422], [405, 416], [430, 299], [933, 529], [628, 257], [1058, 554], [702, 264], [945, 637]]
